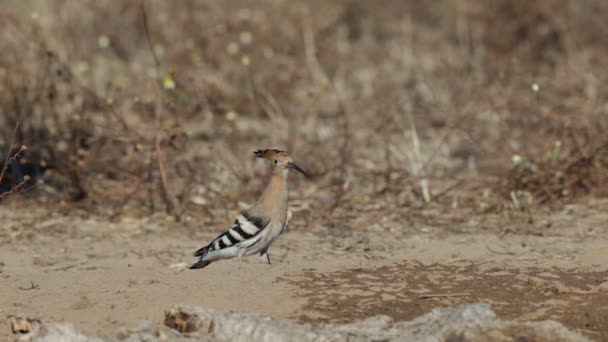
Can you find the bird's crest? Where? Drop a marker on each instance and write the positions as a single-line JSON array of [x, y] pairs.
[[270, 153]]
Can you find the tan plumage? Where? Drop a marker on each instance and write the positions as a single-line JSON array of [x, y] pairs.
[[256, 228]]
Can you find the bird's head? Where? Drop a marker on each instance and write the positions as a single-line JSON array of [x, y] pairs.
[[279, 159]]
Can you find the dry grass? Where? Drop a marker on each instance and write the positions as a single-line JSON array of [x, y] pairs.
[[563, 175], [390, 107], [12, 160]]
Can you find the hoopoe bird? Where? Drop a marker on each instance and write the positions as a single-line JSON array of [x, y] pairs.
[[256, 228]]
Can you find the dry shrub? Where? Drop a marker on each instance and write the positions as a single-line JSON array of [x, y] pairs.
[[77, 140], [371, 98], [565, 173], [78, 79]]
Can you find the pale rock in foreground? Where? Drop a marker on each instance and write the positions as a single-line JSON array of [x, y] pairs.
[[26, 329], [470, 322]]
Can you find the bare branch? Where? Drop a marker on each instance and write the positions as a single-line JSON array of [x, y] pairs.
[[8, 155], [162, 164]]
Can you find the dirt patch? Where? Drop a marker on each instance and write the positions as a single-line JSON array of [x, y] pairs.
[[407, 290]]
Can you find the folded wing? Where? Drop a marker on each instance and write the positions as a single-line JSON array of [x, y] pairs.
[[245, 227]]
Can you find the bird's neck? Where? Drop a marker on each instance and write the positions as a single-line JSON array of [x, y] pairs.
[[276, 191]]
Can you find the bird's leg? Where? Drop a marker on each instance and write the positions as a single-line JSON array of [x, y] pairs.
[[265, 257], [240, 257]]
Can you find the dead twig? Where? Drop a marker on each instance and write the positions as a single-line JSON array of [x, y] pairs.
[[448, 189], [160, 157], [19, 187], [8, 155], [417, 160], [310, 51], [462, 120], [271, 107], [120, 204], [499, 253], [32, 287], [147, 34], [344, 153], [444, 295]]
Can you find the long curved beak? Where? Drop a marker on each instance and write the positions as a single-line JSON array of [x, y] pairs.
[[292, 165]]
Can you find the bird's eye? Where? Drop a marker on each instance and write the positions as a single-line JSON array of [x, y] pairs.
[[276, 162]]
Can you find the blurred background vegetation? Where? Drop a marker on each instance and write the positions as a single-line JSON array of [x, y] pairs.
[[400, 110]]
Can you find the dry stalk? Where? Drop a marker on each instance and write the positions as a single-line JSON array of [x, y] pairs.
[[20, 187], [318, 75], [447, 190], [417, 161], [291, 131], [251, 88], [322, 80], [413, 156], [8, 155], [117, 207], [345, 153], [268, 105], [420, 166], [275, 112], [444, 138], [444, 295], [230, 163], [160, 156], [310, 50]]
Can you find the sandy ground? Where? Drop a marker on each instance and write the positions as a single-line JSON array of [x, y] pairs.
[[102, 276]]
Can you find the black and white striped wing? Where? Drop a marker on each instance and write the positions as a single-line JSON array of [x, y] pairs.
[[245, 227]]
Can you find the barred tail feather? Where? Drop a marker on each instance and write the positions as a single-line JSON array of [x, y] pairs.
[[199, 264], [202, 251]]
